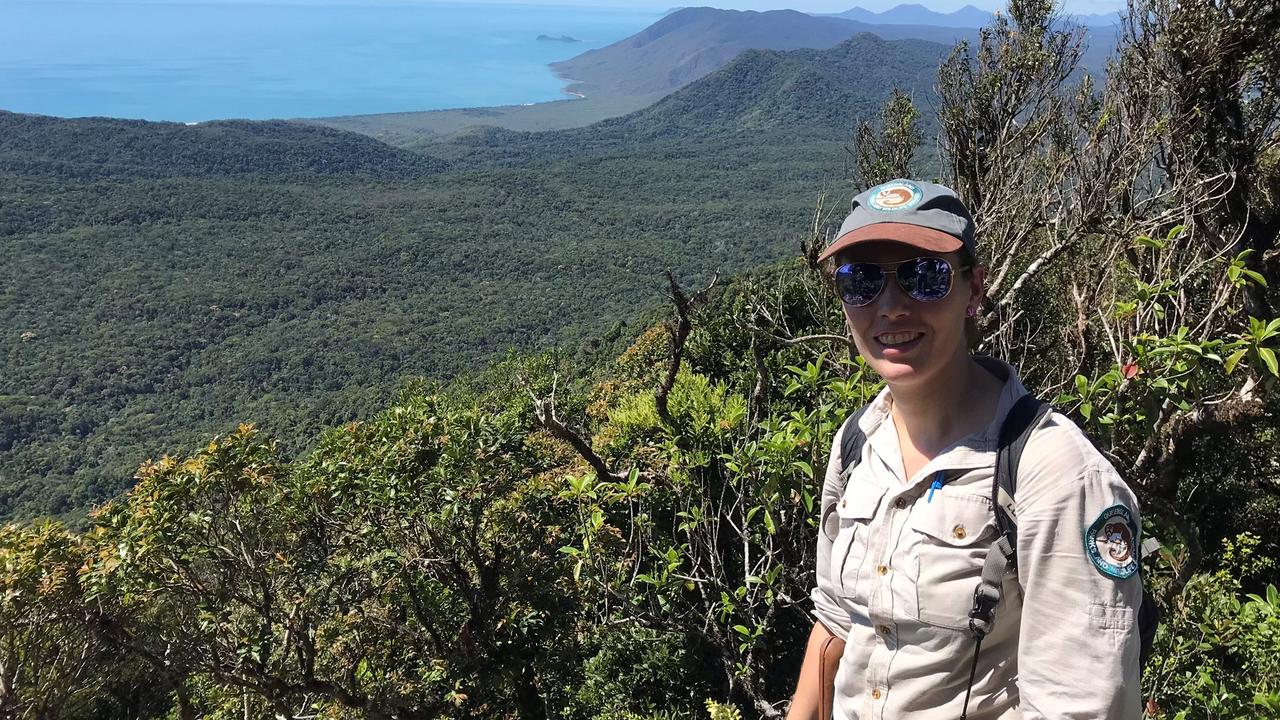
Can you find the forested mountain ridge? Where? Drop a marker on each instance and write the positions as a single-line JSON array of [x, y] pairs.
[[804, 89], [692, 42], [150, 306], [761, 93], [86, 148]]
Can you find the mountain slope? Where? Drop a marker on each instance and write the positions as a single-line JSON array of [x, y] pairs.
[[691, 43], [106, 147], [802, 89], [783, 94]]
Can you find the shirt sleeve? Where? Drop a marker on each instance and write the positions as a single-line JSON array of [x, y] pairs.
[[826, 606], [1078, 554]]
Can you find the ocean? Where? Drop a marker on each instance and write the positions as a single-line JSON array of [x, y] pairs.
[[191, 61]]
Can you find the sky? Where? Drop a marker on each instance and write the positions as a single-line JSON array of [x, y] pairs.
[[814, 6], [827, 6]]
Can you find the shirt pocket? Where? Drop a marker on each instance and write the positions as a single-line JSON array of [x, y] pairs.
[[852, 518], [949, 541]]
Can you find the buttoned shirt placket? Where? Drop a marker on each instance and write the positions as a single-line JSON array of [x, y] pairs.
[[882, 546]]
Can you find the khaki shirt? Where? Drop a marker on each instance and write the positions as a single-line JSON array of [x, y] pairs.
[[896, 574]]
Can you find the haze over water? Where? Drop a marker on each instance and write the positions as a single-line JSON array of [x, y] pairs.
[[190, 61]]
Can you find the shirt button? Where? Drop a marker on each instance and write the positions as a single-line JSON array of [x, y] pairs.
[[885, 630], [843, 503], [900, 503], [875, 694], [959, 532], [882, 569]]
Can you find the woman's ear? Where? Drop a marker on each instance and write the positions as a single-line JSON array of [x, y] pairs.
[[977, 289], [977, 293]]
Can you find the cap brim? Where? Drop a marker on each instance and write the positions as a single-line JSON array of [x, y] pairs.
[[914, 235]]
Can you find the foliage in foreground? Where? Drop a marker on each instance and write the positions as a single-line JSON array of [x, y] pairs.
[[452, 557]]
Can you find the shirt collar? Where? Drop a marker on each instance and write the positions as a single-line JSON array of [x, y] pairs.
[[973, 450]]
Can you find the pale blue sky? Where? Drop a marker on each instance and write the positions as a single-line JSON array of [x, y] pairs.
[[831, 6], [817, 6]]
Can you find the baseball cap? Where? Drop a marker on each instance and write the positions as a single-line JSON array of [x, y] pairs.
[[925, 215]]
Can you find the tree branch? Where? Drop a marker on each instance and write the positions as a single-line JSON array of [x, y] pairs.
[[545, 410], [679, 335]]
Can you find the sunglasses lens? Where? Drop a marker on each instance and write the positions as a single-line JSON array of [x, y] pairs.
[[859, 283], [926, 279]]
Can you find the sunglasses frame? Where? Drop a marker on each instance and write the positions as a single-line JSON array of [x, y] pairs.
[[887, 269]]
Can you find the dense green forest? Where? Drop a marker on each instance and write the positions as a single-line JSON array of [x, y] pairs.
[[164, 282], [623, 526]]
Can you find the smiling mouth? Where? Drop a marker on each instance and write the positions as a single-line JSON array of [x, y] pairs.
[[897, 338]]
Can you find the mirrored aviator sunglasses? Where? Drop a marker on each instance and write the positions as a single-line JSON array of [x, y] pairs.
[[926, 279]]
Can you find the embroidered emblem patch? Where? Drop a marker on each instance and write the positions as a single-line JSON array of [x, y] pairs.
[[1112, 542], [895, 196]]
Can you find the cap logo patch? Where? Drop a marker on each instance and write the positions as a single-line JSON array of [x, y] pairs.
[[895, 196], [1112, 542]]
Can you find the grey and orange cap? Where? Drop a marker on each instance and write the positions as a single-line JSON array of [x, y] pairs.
[[925, 215]]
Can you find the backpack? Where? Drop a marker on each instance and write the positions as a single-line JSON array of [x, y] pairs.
[[1026, 415]]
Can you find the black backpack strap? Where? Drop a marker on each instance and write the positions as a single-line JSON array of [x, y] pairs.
[[1024, 417], [851, 441]]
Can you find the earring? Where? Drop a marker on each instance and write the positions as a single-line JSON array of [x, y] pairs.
[[970, 312]]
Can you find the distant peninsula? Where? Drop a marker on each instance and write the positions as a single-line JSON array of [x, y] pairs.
[[561, 38]]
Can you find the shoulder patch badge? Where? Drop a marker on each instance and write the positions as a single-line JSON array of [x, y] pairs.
[[1112, 542], [895, 196]]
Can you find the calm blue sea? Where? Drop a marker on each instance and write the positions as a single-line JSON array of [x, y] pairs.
[[190, 61]]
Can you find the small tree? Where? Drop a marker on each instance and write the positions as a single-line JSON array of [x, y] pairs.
[[46, 656]]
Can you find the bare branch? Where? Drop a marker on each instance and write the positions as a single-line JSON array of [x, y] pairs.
[[679, 335], [545, 410]]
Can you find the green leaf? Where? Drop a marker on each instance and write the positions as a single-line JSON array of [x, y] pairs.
[[1150, 242], [1256, 277], [1269, 357], [742, 630], [1234, 359], [1082, 385]]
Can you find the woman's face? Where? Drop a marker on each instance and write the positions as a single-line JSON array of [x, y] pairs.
[[905, 340]]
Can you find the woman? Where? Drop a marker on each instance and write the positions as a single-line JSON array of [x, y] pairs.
[[905, 535]]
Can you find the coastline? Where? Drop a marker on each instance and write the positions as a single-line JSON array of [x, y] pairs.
[[586, 103]]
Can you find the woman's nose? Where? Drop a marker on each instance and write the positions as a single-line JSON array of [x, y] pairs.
[[892, 301]]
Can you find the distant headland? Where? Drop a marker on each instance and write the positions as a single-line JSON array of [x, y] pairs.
[[558, 38]]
